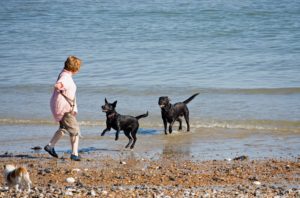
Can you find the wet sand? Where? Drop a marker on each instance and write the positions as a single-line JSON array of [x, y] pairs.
[[199, 144]]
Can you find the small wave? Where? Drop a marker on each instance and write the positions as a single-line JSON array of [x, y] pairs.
[[12, 121], [135, 90], [265, 91], [270, 125], [151, 126], [160, 90]]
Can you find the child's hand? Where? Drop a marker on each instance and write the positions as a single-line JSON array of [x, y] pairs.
[[59, 86], [74, 113]]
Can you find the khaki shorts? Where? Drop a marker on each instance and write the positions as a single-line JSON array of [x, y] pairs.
[[69, 123]]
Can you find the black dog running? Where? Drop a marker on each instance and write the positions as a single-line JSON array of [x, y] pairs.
[[128, 124], [171, 113]]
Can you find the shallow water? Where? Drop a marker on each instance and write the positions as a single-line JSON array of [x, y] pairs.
[[201, 144]]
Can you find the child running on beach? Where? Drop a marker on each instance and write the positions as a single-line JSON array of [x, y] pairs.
[[64, 108]]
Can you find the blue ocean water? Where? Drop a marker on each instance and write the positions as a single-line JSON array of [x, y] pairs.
[[241, 56]]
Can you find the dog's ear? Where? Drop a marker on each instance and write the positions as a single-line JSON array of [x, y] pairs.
[[114, 104], [169, 98], [105, 101]]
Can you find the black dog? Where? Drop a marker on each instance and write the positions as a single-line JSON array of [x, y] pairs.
[[171, 113], [128, 124]]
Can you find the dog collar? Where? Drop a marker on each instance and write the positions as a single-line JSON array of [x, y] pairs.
[[110, 116]]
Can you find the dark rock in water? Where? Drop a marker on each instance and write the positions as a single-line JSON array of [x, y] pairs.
[[36, 148], [241, 158], [7, 154]]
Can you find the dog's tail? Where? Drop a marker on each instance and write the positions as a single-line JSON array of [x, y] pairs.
[[190, 98], [142, 116]]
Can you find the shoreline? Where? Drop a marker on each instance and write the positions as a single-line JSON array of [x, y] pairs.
[[198, 144], [129, 175]]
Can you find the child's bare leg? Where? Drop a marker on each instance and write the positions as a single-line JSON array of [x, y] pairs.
[[74, 144], [58, 134], [50, 146]]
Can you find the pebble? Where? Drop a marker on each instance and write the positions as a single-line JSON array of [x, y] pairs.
[[76, 170], [257, 193], [70, 180], [257, 183], [93, 193], [104, 192], [3, 189], [122, 162], [69, 193], [47, 170]]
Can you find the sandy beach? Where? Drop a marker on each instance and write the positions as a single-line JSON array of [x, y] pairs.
[[129, 174]]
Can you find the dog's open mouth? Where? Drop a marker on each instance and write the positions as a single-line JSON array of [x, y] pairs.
[[161, 106]]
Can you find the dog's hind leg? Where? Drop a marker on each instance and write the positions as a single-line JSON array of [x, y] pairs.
[[180, 123], [127, 133], [187, 120], [28, 182], [133, 134]]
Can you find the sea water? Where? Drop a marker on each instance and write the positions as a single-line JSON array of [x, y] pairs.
[[241, 56]]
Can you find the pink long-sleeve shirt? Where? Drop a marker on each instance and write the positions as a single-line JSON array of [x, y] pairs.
[[58, 104]]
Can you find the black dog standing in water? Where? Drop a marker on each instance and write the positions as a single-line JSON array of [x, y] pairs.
[[171, 113], [128, 124]]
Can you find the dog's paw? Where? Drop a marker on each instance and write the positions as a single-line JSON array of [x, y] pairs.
[[102, 134], [116, 138]]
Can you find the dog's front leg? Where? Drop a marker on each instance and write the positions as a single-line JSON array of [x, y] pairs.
[[17, 188], [165, 126], [28, 182], [104, 131], [28, 188], [170, 126], [117, 135], [108, 127], [117, 132]]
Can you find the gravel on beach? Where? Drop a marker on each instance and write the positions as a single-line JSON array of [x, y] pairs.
[[165, 176]]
